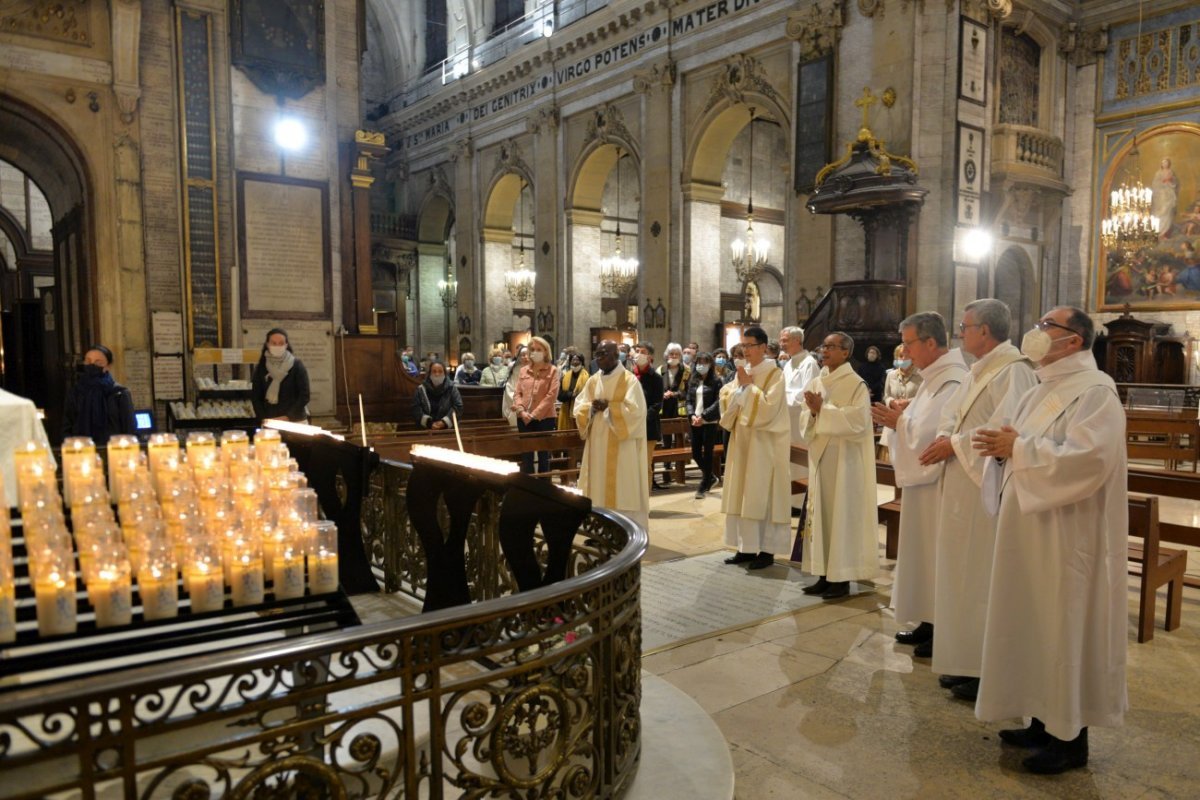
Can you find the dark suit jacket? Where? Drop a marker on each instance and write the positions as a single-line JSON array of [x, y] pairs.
[[652, 389]]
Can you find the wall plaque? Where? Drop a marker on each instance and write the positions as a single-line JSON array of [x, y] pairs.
[[972, 61], [283, 235], [968, 180]]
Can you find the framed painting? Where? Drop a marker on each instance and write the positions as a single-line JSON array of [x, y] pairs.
[[1166, 274]]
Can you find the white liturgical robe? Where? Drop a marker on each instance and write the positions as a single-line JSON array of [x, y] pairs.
[[798, 371], [613, 472], [756, 493], [1055, 640], [966, 535], [841, 537], [917, 427], [19, 424]]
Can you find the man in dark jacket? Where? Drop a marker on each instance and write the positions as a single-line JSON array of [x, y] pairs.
[[652, 389], [98, 406]]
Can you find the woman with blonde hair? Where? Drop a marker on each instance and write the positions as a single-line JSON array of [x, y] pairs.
[[899, 387], [533, 403], [496, 372], [467, 373]]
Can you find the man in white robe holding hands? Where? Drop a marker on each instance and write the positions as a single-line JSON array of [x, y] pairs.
[[798, 370], [916, 425], [756, 495], [610, 413], [966, 534], [1054, 645], [841, 531]]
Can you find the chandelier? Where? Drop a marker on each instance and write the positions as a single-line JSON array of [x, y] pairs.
[[519, 282], [448, 290], [750, 253], [618, 275], [1129, 225]]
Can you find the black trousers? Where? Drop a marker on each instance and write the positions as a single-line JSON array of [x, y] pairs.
[[704, 439], [543, 456]]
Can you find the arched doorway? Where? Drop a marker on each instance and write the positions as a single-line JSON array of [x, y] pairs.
[[435, 261], [48, 322], [606, 198], [508, 248], [1013, 284]]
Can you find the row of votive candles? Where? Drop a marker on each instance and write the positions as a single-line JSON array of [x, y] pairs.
[[210, 518]]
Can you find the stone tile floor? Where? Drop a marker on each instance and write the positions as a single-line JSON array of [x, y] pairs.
[[824, 704]]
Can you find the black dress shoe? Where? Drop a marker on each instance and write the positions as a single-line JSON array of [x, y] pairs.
[[950, 681], [836, 590], [740, 558], [762, 561], [921, 633], [924, 649], [1033, 736], [1059, 756], [817, 588], [968, 690]]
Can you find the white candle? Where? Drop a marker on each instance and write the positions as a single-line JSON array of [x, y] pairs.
[[160, 596], [289, 575], [324, 573], [55, 605], [206, 586], [246, 581], [111, 597]]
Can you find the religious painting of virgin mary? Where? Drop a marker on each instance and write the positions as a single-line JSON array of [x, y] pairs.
[[280, 44], [1166, 274]]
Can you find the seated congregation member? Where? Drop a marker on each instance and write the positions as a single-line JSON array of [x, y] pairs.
[[757, 499], [652, 390], [675, 375], [496, 372], [1055, 639], [610, 414], [704, 413], [533, 403], [840, 536], [408, 360], [915, 427], [98, 406], [572, 384], [467, 373], [279, 387], [436, 400]]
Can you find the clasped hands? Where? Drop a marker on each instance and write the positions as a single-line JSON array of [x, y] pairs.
[[813, 400], [599, 404], [888, 414], [995, 443]]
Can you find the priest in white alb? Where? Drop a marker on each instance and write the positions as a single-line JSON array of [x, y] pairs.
[[966, 536], [1054, 644], [799, 368], [841, 539], [610, 413], [756, 493], [915, 423]]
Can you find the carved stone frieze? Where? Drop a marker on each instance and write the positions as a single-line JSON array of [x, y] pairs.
[[510, 159], [607, 125], [1083, 46], [660, 75], [60, 20], [987, 9], [400, 259], [817, 28], [439, 184], [741, 74], [462, 148], [544, 119]]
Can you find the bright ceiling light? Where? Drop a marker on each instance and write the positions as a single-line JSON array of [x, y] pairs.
[[290, 134], [977, 243]]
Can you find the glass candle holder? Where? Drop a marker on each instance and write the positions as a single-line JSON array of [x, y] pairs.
[[205, 578], [54, 587], [78, 456], [8, 592], [122, 457], [288, 577], [266, 442], [246, 573], [36, 479], [323, 558], [157, 586], [110, 591], [235, 446], [304, 501]]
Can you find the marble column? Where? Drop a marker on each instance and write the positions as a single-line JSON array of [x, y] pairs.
[[655, 230], [547, 249], [586, 243], [466, 243], [702, 262]]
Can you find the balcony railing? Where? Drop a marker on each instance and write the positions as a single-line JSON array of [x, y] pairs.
[[516, 694], [394, 226], [1019, 150]]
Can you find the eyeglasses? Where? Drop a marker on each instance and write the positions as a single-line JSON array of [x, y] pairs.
[[753, 344], [962, 326], [830, 347], [1043, 324]]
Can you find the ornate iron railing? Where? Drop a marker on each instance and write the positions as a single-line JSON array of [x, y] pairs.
[[533, 694]]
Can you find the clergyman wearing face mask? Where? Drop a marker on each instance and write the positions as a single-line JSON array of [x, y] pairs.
[[279, 385]]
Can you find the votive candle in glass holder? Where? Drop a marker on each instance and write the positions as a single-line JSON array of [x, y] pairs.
[[8, 601], [122, 452], [110, 592], [288, 578], [205, 578], [323, 558], [54, 587], [157, 586], [266, 442], [161, 449], [246, 573], [78, 458], [235, 446], [36, 478]]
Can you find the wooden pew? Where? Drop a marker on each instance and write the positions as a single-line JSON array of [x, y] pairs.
[[1169, 436], [1159, 566], [677, 437]]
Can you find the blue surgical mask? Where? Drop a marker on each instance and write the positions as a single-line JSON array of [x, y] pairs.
[[622, 356], [902, 363], [720, 361]]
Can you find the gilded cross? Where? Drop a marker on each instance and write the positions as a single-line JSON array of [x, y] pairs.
[[865, 102]]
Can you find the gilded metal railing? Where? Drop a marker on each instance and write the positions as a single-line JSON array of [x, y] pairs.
[[533, 694]]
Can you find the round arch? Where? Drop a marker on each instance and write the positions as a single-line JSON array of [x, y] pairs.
[[502, 198], [705, 161], [435, 218], [1013, 284], [592, 171]]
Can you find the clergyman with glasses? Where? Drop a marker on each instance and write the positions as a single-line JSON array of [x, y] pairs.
[[841, 541]]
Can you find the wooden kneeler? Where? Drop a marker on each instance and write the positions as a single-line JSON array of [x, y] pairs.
[[1159, 565]]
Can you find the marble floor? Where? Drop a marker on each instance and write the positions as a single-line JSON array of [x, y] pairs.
[[822, 703]]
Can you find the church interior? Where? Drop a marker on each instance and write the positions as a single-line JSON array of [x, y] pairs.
[[402, 185]]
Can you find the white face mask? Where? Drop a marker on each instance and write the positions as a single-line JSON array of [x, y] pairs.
[[702, 369], [687, 358], [1037, 344], [738, 363], [537, 356], [277, 350], [576, 367], [437, 380], [902, 363], [642, 359], [497, 361], [672, 362], [469, 363]]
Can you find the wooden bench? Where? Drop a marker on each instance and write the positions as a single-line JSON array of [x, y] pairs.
[[677, 438], [1172, 437], [1159, 566]]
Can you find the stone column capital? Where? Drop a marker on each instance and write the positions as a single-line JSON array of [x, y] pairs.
[[657, 76], [817, 28]]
